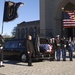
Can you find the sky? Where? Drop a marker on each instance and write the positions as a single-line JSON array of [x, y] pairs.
[[28, 12]]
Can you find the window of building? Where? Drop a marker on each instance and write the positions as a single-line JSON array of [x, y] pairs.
[[35, 31], [31, 31], [26, 32], [22, 33]]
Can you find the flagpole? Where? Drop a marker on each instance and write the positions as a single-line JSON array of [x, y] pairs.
[[2, 27], [2, 20]]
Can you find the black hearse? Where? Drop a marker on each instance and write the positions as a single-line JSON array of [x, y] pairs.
[[17, 48]]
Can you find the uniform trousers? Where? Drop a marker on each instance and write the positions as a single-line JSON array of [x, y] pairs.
[[64, 54], [70, 54], [58, 54]]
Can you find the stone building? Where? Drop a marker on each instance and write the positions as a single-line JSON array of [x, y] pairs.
[[51, 17], [51, 20], [25, 28]]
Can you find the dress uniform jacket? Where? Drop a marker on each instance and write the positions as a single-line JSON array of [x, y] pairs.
[[58, 44], [63, 43]]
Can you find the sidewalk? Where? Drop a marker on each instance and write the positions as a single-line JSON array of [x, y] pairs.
[[45, 67]]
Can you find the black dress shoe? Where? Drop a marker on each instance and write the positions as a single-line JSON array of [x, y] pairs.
[[58, 60], [2, 66], [64, 60], [71, 60], [30, 65]]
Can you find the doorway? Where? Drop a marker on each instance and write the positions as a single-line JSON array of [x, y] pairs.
[[68, 15], [69, 32]]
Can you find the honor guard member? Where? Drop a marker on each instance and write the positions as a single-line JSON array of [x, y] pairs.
[[63, 45], [30, 50], [52, 42], [70, 49], [1, 50], [58, 47]]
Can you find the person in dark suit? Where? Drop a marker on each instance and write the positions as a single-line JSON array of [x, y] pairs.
[[30, 50], [1, 50]]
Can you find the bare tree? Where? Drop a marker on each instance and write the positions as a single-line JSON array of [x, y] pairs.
[[14, 31]]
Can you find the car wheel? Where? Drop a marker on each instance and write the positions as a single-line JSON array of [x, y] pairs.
[[23, 57]]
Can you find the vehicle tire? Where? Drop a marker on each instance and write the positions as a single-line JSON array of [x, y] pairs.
[[23, 57]]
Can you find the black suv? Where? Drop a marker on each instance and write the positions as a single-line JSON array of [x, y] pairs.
[[16, 47]]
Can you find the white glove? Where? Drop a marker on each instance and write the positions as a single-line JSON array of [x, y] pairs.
[[28, 52], [64, 45], [69, 44], [1, 47]]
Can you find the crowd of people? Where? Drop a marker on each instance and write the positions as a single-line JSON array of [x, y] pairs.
[[61, 45]]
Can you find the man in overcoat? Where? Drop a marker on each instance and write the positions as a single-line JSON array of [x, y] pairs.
[[30, 50]]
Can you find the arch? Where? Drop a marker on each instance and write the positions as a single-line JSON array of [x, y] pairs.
[[70, 6], [58, 14]]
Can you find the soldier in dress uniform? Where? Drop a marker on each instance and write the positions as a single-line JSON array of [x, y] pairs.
[[1, 50], [58, 47], [52, 43], [63, 45], [70, 48]]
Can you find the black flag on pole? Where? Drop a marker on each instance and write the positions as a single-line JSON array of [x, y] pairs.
[[10, 11]]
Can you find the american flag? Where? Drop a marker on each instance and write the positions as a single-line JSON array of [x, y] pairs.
[[68, 19]]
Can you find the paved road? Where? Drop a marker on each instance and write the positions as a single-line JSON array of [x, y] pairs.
[[39, 68]]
